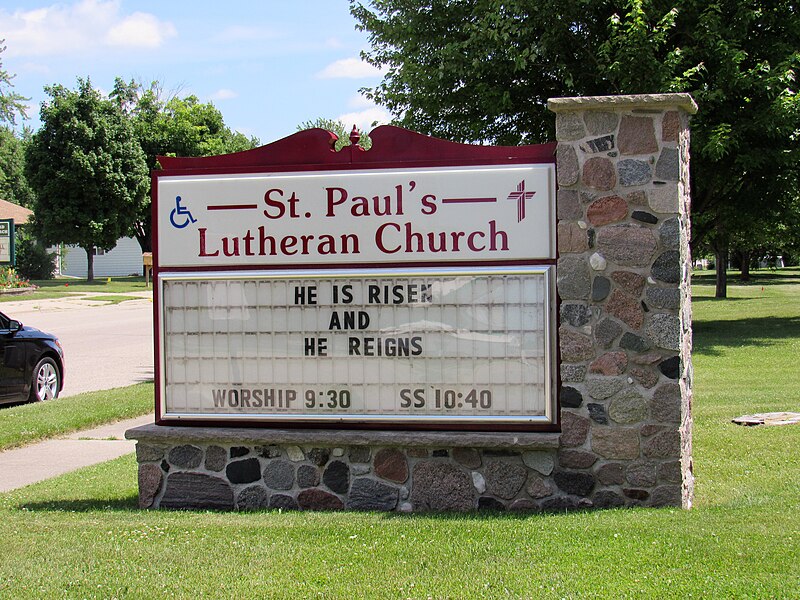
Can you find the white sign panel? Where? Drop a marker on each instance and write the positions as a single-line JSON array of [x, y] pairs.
[[497, 213], [455, 345]]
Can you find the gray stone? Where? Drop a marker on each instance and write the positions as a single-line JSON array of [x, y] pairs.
[[238, 451], [611, 474], [635, 343], [666, 403], [670, 472], [368, 494], [628, 407], [316, 499], [601, 388], [568, 206], [634, 172], [576, 315], [337, 477], [359, 454], [360, 469], [627, 245], [606, 332], [195, 491], [479, 481], [267, 451], [636, 494], [663, 445], [597, 413], [644, 217], [279, 475], [669, 233], [567, 168], [575, 347], [283, 502], [667, 495], [542, 462], [668, 165], [667, 267], [254, 497], [186, 456], [523, 504], [600, 122], [574, 278], [576, 483], [569, 127], [597, 145], [601, 286], [441, 486], [666, 298], [319, 456], [216, 458], [607, 499], [620, 443], [574, 429], [503, 479], [598, 262], [295, 453], [664, 331], [570, 397], [469, 457], [391, 464], [537, 487], [572, 373], [671, 367], [148, 453], [664, 199], [307, 477], [150, 478], [576, 459], [641, 474], [243, 471]]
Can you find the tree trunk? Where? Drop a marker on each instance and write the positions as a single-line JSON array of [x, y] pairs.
[[744, 274], [89, 263], [721, 266]]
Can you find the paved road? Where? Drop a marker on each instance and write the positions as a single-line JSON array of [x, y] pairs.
[[106, 345]]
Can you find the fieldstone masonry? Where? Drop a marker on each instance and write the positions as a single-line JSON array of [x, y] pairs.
[[625, 370]]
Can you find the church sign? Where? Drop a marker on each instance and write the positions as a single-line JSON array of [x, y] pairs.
[[409, 286]]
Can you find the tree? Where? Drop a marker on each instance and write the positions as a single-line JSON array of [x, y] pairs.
[[472, 70], [13, 183], [11, 103], [339, 129], [87, 169], [172, 126]]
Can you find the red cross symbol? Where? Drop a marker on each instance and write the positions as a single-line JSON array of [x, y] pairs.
[[520, 195]]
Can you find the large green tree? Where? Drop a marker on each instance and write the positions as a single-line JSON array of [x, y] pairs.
[[87, 169], [11, 103], [471, 70], [167, 125], [13, 183]]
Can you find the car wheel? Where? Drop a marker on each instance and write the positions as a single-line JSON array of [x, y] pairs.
[[45, 382]]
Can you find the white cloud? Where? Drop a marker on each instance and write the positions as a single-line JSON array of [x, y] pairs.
[[349, 68], [224, 94], [81, 27], [367, 119]]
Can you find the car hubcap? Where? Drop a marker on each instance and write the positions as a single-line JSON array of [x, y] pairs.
[[46, 382]]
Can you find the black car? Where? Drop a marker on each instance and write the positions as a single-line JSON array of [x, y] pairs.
[[31, 363]]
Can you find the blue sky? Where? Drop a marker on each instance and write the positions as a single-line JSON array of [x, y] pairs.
[[267, 65]]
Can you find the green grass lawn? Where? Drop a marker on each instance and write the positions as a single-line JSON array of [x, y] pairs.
[[58, 288], [81, 535]]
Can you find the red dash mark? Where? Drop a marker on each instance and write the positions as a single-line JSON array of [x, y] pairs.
[[466, 200], [233, 207]]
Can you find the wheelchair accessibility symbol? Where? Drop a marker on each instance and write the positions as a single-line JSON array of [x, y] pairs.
[[180, 216]]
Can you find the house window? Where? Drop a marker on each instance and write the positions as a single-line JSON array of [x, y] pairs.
[[98, 251]]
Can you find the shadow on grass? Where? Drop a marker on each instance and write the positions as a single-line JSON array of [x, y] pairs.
[[757, 278], [126, 504], [760, 332]]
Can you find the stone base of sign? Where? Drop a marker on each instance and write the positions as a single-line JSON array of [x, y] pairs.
[[249, 469]]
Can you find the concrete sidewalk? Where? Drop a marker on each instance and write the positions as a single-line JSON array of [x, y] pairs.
[[36, 462]]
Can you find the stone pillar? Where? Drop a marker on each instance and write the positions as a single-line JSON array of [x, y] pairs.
[[624, 285]]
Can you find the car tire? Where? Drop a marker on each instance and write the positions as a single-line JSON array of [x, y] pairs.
[[46, 380]]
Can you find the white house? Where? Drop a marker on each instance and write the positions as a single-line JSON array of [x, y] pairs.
[[125, 259]]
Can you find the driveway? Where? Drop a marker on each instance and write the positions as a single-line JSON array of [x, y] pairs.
[[106, 345]]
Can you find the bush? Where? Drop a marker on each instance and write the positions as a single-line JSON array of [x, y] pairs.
[[33, 259]]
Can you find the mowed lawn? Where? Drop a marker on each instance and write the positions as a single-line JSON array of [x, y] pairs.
[[81, 535]]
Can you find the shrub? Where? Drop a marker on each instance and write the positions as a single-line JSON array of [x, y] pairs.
[[33, 259]]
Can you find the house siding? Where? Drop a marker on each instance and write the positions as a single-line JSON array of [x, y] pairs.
[[125, 259]]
